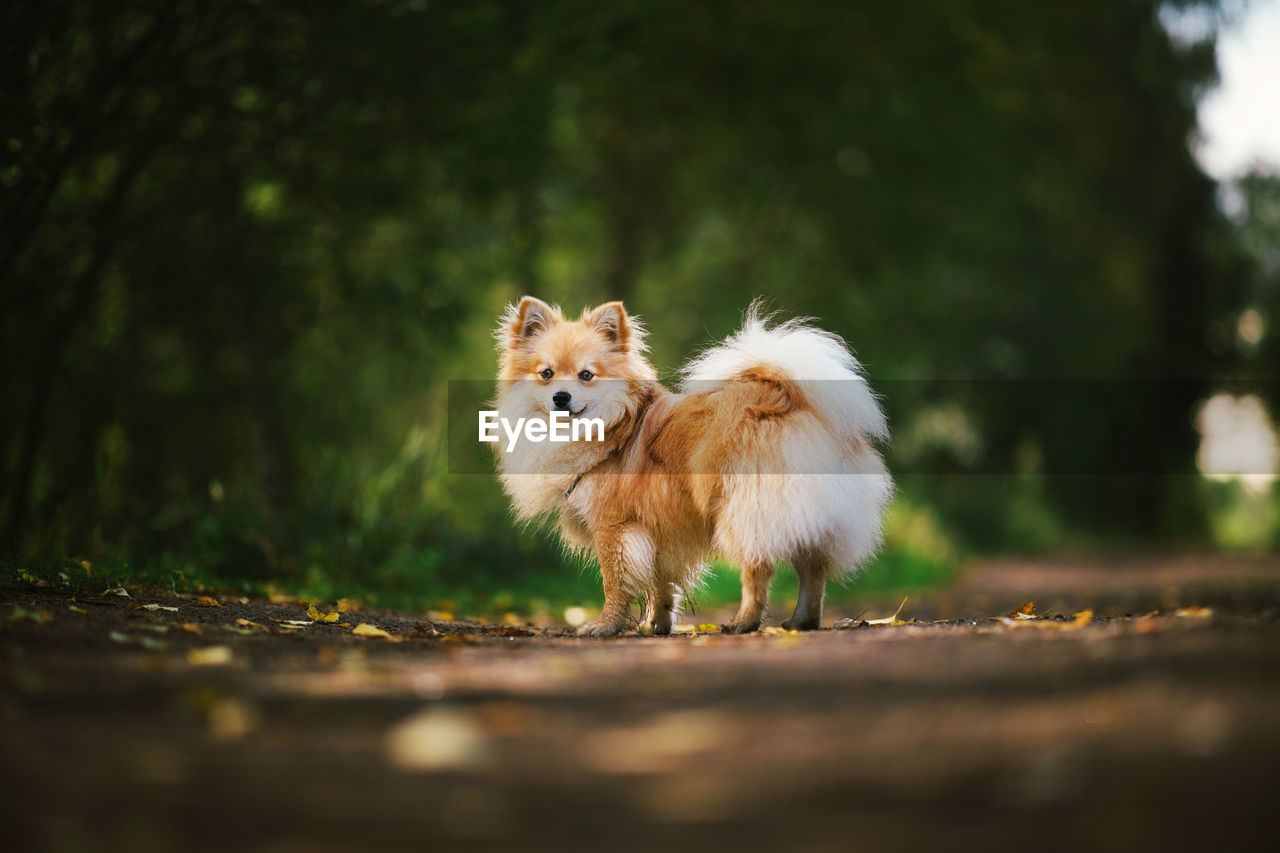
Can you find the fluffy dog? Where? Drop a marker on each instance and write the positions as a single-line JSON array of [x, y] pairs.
[[764, 454]]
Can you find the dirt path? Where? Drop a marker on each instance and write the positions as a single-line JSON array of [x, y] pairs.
[[123, 729]]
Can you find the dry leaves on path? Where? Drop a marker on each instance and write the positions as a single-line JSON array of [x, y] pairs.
[[317, 615]]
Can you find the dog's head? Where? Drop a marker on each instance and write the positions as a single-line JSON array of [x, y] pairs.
[[586, 367]]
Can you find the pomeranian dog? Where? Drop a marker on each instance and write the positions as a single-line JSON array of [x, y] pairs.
[[763, 455]]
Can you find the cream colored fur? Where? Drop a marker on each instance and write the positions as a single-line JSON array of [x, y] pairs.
[[763, 455]]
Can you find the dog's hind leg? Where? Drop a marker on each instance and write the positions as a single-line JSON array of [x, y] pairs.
[[812, 568], [755, 598]]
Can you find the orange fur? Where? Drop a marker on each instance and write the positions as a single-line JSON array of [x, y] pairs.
[[680, 476]]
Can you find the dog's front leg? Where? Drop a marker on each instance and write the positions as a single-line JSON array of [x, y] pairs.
[[610, 550]]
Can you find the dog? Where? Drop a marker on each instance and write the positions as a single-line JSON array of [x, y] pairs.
[[765, 453]]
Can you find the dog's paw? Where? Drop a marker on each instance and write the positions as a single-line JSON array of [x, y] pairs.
[[736, 627], [605, 626], [654, 629], [794, 624]]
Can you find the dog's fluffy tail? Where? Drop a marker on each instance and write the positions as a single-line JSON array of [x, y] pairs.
[[818, 363], [800, 428]]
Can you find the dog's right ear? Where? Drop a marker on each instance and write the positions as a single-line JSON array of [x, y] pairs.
[[529, 319]]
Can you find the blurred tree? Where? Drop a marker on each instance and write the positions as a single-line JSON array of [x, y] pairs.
[[246, 244]]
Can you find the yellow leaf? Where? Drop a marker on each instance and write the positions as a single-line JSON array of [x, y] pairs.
[[364, 629], [708, 627], [889, 620], [1026, 611], [159, 607], [207, 601], [245, 623], [348, 604], [439, 740], [318, 616], [1147, 624], [190, 627], [210, 656], [1083, 618], [1195, 611], [75, 609]]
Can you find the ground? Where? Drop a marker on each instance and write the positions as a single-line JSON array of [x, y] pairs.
[[1152, 722]]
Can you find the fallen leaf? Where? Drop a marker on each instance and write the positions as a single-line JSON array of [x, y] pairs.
[[158, 607], [347, 604], [295, 623], [1194, 611], [40, 617], [889, 620], [708, 627], [190, 628], [317, 616], [75, 609], [231, 718], [117, 590], [438, 739], [248, 623], [210, 656], [421, 630], [364, 629], [1083, 618], [117, 637], [1026, 611], [1147, 624], [207, 601]]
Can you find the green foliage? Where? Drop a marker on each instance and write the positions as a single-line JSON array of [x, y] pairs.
[[245, 246]]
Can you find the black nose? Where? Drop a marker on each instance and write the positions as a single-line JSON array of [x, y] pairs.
[[561, 399]]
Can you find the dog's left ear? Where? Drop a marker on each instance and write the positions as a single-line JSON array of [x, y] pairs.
[[610, 320]]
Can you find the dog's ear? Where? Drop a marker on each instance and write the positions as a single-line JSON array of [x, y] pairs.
[[610, 320], [529, 319]]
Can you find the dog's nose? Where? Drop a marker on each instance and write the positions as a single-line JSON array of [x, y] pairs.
[[561, 399]]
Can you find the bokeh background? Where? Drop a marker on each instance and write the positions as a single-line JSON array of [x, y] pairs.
[[245, 247]]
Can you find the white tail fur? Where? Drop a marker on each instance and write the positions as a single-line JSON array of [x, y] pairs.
[[779, 513], [800, 351]]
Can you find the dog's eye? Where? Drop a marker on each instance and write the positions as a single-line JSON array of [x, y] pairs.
[[586, 376], [546, 374]]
